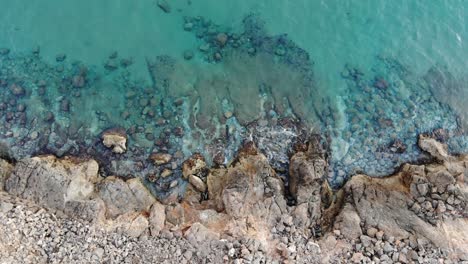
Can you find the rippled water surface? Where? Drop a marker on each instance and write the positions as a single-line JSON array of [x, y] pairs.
[[201, 76]]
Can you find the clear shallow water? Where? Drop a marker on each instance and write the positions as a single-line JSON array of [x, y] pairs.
[[366, 82]]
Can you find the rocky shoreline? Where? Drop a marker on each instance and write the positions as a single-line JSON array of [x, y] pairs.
[[61, 210]]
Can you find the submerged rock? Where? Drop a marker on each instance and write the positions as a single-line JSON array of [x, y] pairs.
[[164, 6], [115, 139]]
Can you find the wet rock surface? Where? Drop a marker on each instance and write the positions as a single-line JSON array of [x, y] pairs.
[[417, 215]]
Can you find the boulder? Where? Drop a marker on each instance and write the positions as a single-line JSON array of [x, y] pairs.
[[194, 165], [52, 182], [133, 224], [122, 197], [348, 222], [198, 235], [433, 147], [5, 171], [157, 218], [197, 183], [115, 139]]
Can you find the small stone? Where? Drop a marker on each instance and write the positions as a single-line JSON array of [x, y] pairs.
[[387, 248], [427, 205], [379, 235], [188, 54], [197, 183], [441, 207], [280, 51], [65, 105], [60, 57], [161, 158], [166, 173], [173, 184], [34, 135], [17, 90], [204, 47], [423, 189], [188, 26], [372, 231], [228, 114], [221, 38], [337, 233], [4, 51], [78, 81], [357, 257]]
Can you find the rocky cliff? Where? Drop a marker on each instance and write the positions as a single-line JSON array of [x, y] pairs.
[[245, 213]]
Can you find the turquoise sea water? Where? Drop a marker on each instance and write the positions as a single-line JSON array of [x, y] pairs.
[[367, 75]]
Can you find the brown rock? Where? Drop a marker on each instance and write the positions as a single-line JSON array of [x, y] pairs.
[[5, 172], [433, 147], [197, 183], [116, 139], [160, 158], [194, 165], [157, 218]]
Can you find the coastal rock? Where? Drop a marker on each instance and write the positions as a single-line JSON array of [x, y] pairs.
[[5, 172], [198, 235], [194, 165], [348, 222], [115, 139], [132, 224], [52, 182], [122, 197], [433, 147], [197, 183], [383, 203], [157, 218]]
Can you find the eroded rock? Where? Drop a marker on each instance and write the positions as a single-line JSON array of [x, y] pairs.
[[115, 139]]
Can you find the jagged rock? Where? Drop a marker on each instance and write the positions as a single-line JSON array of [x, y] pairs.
[[433, 147], [194, 165], [5, 171], [122, 197], [133, 224], [157, 218], [198, 235], [143, 196], [215, 183], [306, 171], [348, 222], [116, 139], [52, 182], [90, 210], [382, 202], [175, 214]]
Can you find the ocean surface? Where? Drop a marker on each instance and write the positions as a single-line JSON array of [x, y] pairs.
[[188, 76]]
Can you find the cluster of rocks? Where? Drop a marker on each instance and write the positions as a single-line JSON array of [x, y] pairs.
[[239, 213]]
